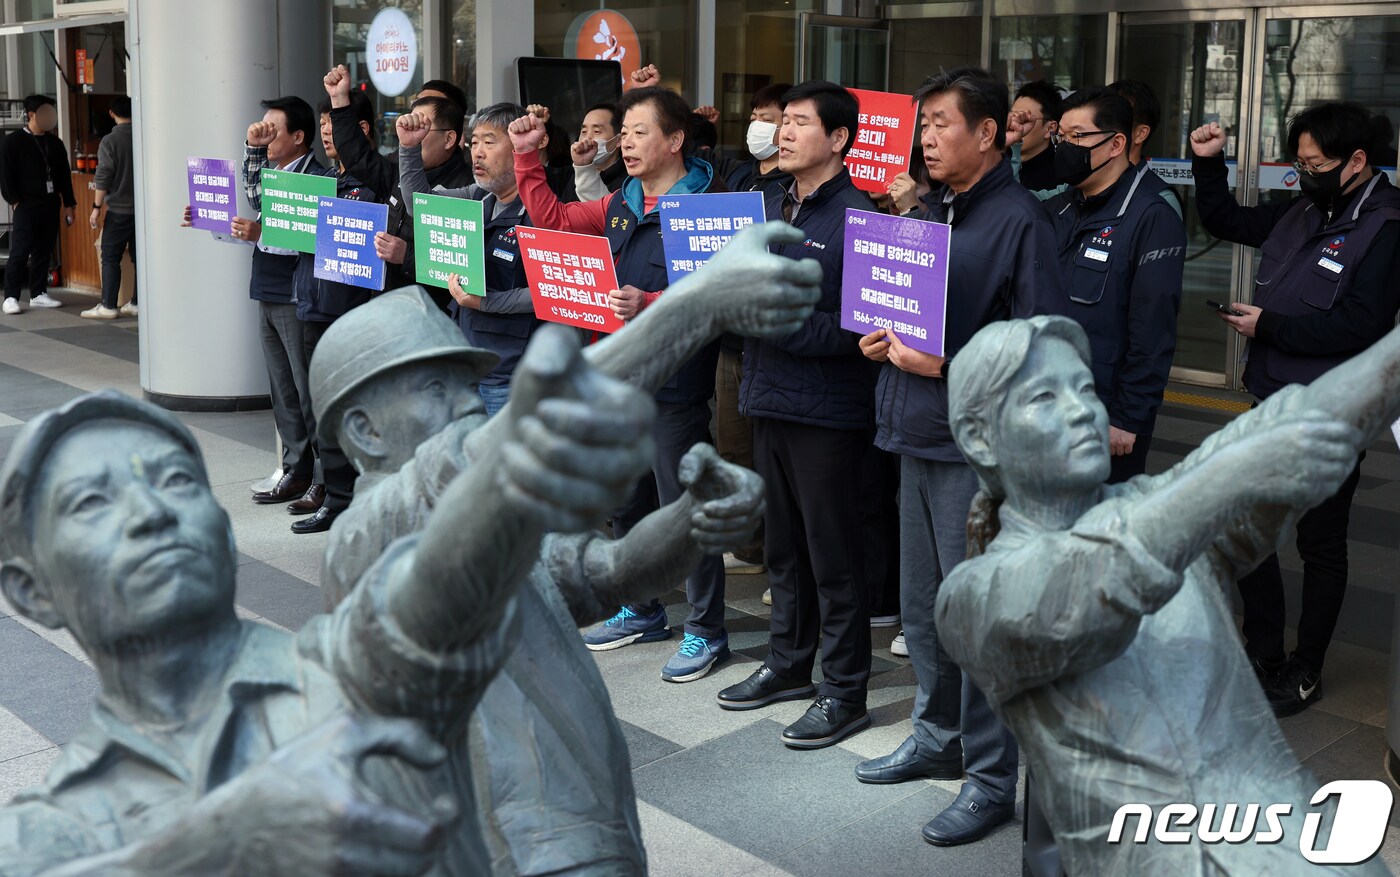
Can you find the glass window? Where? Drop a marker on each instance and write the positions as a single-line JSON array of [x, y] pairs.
[[462, 47], [1068, 50], [921, 47], [351, 21], [663, 36], [755, 46]]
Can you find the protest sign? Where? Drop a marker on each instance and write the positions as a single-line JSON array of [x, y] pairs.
[[570, 277], [883, 141], [695, 227], [450, 238], [213, 200], [345, 242], [290, 205], [895, 277]]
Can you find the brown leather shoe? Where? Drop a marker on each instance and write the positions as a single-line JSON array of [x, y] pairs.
[[288, 488], [309, 502]]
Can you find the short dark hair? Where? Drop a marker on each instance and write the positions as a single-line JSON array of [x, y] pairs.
[[770, 95], [612, 111], [672, 112], [1339, 128], [1112, 112], [1045, 94], [360, 103], [1146, 109], [454, 94], [701, 133], [299, 116], [980, 96], [33, 102], [121, 106], [836, 107], [445, 113]]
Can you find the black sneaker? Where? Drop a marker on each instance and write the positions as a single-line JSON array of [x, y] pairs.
[[1296, 688], [1267, 671], [828, 720]]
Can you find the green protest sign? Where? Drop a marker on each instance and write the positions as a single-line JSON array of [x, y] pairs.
[[449, 238], [290, 207]]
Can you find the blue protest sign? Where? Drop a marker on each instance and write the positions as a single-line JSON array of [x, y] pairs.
[[695, 227], [345, 242]]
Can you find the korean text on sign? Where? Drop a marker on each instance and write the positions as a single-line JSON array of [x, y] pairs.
[[895, 277], [450, 238], [345, 242], [570, 277], [213, 198], [695, 227], [884, 139], [290, 205]]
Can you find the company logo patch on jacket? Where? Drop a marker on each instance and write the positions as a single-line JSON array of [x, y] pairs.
[[815, 244], [1336, 244], [1102, 238]]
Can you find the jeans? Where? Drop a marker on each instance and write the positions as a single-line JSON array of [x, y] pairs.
[[495, 396], [118, 234]]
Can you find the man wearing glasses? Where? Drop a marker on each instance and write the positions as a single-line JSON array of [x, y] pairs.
[[1324, 292], [1122, 256], [1038, 103]]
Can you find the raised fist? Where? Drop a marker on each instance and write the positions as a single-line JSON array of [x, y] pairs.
[[413, 129], [1018, 124], [646, 77], [1208, 141], [261, 133], [538, 110], [710, 114], [337, 83], [584, 151], [526, 133]]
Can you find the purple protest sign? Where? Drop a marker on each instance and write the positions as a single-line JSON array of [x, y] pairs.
[[213, 199], [895, 277]]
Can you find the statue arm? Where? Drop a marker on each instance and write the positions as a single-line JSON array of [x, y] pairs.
[[1364, 391]]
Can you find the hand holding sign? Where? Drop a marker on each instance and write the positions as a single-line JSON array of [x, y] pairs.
[[213, 198], [571, 277], [895, 278], [627, 302], [345, 242]]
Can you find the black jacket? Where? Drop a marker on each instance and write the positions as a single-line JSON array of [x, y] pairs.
[[1002, 265], [817, 375], [28, 163], [746, 178], [1326, 285], [1122, 254], [323, 301], [501, 324]]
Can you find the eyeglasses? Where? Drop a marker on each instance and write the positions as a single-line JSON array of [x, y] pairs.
[[1075, 136], [1313, 170]]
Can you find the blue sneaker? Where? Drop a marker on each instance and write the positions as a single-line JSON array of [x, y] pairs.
[[695, 658], [627, 627]]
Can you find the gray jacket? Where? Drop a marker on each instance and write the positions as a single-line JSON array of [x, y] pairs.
[[116, 173]]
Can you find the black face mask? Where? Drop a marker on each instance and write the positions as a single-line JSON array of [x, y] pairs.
[[1323, 188], [1074, 164]]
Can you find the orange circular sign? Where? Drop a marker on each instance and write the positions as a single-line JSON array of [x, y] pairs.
[[605, 35]]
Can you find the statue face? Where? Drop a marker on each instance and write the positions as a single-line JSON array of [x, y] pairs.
[[413, 403], [128, 539], [1052, 430]]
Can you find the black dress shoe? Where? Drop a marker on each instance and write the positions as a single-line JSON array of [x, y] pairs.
[[970, 817], [762, 688], [288, 488], [828, 720], [911, 760], [309, 502], [319, 522]]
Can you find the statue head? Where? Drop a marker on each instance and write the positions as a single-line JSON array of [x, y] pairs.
[[108, 527], [391, 374], [1025, 415]]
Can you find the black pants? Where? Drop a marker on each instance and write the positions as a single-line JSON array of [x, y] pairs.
[[879, 527], [679, 427], [32, 240], [118, 234], [336, 469], [813, 544], [1133, 464], [1322, 543]]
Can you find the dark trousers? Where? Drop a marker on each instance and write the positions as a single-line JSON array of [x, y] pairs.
[[1130, 465], [813, 546], [32, 240], [336, 471], [284, 350], [950, 711], [118, 234], [879, 528], [734, 433], [1322, 544], [678, 428]]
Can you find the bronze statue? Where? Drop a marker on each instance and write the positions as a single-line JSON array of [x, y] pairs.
[[1094, 617]]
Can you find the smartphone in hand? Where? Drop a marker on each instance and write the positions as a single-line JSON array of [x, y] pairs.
[[1224, 309]]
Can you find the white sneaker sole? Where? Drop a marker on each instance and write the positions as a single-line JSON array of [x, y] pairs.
[[625, 641], [48, 305], [698, 674]]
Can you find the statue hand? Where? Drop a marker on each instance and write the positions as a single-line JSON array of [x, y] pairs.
[[581, 439], [1298, 462], [758, 293], [728, 500]]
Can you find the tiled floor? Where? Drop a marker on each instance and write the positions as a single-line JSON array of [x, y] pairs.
[[718, 794]]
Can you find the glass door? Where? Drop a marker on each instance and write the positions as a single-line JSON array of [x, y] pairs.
[[854, 52], [1199, 66]]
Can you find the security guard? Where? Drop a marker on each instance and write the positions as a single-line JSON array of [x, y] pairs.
[[1121, 249], [1325, 291]]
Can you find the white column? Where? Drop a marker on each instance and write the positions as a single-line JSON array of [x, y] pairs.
[[196, 83], [505, 30]]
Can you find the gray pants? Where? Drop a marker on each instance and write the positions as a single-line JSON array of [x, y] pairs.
[[284, 349], [949, 711]]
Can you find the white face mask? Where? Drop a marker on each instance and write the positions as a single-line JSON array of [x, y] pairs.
[[604, 153], [760, 139]]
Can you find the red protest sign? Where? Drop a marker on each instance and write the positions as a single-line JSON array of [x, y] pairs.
[[883, 142], [570, 277]]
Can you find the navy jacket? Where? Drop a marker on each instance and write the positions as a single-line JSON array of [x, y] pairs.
[[746, 178], [817, 375], [501, 325], [1122, 254], [323, 301], [1002, 265], [1326, 285]]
